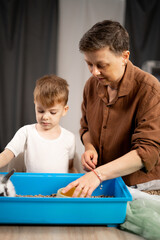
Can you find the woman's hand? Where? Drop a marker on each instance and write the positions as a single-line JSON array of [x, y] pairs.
[[90, 156], [84, 186], [89, 159]]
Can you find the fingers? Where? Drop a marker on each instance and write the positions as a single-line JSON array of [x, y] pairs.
[[84, 186], [80, 189], [83, 191], [86, 167], [90, 191], [89, 161], [70, 186], [94, 160], [87, 192]]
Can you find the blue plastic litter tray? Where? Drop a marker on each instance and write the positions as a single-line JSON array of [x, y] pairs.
[[66, 211]]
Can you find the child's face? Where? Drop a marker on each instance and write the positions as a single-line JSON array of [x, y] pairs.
[[49, 118]]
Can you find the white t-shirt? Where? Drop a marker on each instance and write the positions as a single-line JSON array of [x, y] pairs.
[[43, 155]]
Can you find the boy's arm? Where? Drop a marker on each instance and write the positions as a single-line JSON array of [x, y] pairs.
[[5, 157], [72, 169]]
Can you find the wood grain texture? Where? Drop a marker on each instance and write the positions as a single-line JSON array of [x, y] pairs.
[[64, 232]]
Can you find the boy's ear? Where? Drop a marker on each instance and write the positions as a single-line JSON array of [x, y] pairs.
[[66, 107]]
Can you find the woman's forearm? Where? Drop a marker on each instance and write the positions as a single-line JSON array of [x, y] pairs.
[[127, 164], [87, 141]]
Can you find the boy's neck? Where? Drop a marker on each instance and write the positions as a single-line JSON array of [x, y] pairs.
[[49, 134]]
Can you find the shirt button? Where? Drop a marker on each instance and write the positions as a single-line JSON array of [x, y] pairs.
[[104, 127]]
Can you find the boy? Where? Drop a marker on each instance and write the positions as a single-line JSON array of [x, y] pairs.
[[46, 145]]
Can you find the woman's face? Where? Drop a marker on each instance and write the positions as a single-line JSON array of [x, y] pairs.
[[105, 65]]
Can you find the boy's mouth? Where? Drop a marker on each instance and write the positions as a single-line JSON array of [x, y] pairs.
[[45, 123]]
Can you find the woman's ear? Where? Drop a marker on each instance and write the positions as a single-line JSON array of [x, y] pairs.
[[125, 56]]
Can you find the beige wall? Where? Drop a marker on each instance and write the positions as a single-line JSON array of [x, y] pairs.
[[76, 17]]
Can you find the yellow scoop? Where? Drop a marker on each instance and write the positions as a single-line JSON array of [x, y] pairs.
[[67, 194]]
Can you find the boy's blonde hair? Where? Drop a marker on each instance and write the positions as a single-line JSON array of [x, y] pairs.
[[50, 90]]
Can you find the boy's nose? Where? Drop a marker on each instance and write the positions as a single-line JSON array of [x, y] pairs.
[[45, 116]]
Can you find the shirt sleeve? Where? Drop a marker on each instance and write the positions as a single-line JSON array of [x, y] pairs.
[[146, 137], [18, 142], [72, 147], [83, 121]]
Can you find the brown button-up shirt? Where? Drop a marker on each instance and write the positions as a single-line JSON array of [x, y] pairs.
[[131, 121]]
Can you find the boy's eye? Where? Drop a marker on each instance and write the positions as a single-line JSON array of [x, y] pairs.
[[40, 111], [53, 113]]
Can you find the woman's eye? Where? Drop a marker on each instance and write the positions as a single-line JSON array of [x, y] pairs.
[[101, 66], [89, 64]]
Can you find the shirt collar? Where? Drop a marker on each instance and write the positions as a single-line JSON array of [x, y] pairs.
[[102, 92], [125, 86], [127, 81]]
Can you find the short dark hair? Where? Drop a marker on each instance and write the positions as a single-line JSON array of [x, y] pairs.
[[106, 33]]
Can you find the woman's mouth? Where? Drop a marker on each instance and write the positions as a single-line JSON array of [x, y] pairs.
[[101, 78]]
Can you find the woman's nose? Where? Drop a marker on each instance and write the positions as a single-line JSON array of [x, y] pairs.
[[95, 71]]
